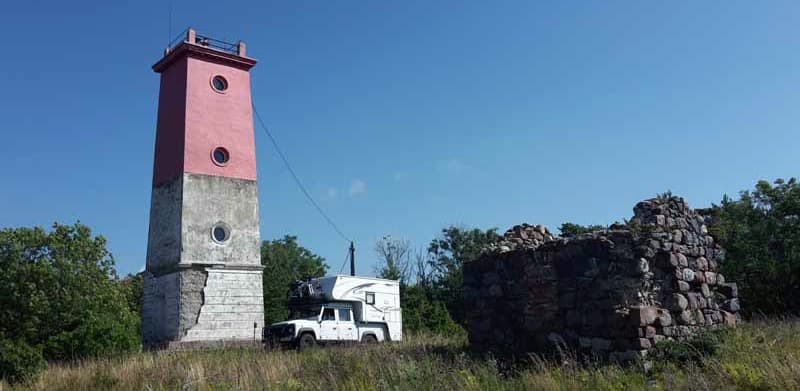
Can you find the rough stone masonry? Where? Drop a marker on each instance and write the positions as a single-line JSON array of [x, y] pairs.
[[612, 294]]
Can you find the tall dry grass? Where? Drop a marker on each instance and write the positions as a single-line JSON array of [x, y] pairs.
[[756, 356]]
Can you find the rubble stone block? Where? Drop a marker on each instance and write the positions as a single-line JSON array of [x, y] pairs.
[[702, 264], [688, 274], [685, 318], [642, 343], [682, 260], [731, 305], [679, 301], [614, 293], [643, 315], [664, 318], [729, 318]]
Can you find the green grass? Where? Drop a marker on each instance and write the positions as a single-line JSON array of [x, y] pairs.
[[762, 355]]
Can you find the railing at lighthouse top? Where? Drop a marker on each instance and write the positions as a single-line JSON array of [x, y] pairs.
[[191, 36]]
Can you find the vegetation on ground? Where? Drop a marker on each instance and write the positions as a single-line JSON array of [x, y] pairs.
[[761, 355]]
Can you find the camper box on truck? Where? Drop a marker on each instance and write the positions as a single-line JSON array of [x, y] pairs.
[[340, 309]]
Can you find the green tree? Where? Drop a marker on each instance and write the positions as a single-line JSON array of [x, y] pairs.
[[761, 235], [447, 256], [393, 258], [421, 314], [132, 287], [285, 262], [59, 295], [572, 229]]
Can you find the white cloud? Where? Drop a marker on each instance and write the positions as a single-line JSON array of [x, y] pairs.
[[357, 186], [331, 193]]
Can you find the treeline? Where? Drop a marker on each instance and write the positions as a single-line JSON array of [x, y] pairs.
[[61, 298]]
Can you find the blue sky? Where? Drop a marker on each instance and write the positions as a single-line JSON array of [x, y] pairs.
[[404, 117]]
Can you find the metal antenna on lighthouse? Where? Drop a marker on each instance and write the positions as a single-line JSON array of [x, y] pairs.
[[170, 23]]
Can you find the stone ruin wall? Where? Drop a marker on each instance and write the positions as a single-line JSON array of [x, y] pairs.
[[611, 294]]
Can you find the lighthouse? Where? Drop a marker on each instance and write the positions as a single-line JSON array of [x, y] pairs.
[[202, 280]]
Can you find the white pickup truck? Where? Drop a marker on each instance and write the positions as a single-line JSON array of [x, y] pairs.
[[339, 309]]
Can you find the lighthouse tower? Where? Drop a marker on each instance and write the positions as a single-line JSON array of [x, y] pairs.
[[203, 279]]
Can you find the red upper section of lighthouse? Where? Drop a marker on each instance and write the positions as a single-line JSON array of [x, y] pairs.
[[195, 117]]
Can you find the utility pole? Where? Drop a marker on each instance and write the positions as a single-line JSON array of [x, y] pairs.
[[352, 259]]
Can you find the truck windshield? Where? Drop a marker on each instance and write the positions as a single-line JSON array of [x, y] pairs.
[[302, 313]]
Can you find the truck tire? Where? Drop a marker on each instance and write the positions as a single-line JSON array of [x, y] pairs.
[[369, 339], [306, 341]]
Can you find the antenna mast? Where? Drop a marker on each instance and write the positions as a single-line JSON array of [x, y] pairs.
[[352, 259]]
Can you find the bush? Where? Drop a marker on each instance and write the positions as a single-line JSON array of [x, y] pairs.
[[689, 352], [19, 361], [60, 298], [99, 335], [761, 235], [420, 314]]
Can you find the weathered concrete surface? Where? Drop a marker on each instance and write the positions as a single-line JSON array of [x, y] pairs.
[[202, 304], [160, 308], [192, 283], [164, 237], [182, 213], [233, 305], [208, 200], [197, 289]]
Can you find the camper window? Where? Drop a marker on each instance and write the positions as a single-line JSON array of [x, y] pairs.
[[370, 298]]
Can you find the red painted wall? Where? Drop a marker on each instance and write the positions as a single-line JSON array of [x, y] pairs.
[[194, 119], [216, 119], [168, 162]]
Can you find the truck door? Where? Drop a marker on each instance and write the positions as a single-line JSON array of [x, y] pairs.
[[347, 328], [327, 326]]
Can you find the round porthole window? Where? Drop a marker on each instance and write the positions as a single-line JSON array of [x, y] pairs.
[[219, 83], [220, 233], [220, 156]]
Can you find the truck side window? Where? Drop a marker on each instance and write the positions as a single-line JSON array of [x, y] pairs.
[[344, 314], [370, 298], [328, 314]]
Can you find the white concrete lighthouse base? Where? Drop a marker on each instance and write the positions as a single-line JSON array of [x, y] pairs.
[[202, 304], [232, 307]]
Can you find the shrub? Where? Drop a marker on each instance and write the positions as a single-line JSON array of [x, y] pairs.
[[60, 297], [760, 232], [692, 351], [19, 361]]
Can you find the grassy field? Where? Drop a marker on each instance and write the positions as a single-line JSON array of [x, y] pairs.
[[755, 356]]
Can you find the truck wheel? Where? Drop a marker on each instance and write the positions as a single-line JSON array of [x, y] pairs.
[[369, 339], [306, 341]]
